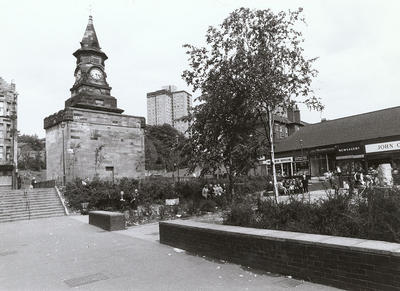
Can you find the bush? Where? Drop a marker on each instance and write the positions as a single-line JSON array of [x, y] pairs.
[[376, 216], [208, 205], [241, 214]]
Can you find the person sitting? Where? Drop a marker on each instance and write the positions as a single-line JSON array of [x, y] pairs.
[[291, 187], [204, 192], [281, 188]]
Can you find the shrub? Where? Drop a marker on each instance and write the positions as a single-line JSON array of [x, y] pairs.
[[241, 214], [208, 205], [377, 216]]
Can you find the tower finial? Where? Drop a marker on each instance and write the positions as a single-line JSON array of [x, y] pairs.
[[90, 8]]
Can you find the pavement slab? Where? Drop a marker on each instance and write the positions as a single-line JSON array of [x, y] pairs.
[[65, 253]]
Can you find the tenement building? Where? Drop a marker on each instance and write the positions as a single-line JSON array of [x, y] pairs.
[[286, 121], [91, 137], [350, 144], [168, 106], [8, 136]]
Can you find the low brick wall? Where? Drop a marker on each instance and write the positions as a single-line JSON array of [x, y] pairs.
[[107, 220], [353, 264]]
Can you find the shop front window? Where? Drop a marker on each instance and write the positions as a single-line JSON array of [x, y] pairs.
[[301, 168]]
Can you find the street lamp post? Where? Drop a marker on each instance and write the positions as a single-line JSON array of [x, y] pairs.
[[301, 147], [63, 153]]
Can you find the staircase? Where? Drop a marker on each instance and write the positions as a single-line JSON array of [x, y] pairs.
[[27, 204]]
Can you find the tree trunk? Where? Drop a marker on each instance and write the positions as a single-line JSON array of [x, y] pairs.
[[231, 190], [272, 152]]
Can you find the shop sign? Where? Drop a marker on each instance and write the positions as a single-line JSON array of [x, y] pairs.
[[322, 151], [349, 157], [349, 149], [382, 147], [279, 161], [301, 159]]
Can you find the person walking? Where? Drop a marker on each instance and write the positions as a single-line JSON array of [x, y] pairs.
[[134, 200], [304, 181]]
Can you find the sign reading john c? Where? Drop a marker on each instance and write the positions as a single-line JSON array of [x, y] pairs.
[[382, 147], [349, 149]]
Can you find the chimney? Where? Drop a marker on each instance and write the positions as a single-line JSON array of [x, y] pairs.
[[296, 114], [290, 114]]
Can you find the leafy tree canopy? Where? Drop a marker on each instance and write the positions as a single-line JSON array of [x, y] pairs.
[[34, 142], [164, 147], [253, 65]]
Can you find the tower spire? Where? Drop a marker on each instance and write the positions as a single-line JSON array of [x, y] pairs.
[[89, 39]]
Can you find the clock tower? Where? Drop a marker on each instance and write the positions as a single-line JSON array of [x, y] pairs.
[[91, 89], [90, 137]]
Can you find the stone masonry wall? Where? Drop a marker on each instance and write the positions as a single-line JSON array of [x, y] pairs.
[[352, 264], [96, 143]]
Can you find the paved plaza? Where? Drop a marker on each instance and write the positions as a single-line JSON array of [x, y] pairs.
[[65, 253]]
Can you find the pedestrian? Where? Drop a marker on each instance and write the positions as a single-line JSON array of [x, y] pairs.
[[210, 191], [304, 181], [19, 182], [134, 200], [204, 192], [33, 183]]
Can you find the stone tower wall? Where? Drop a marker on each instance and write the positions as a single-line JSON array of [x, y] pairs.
[[106, 145]]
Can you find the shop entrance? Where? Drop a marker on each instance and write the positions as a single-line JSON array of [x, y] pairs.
[[321, 164]]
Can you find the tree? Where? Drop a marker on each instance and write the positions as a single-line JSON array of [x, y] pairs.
[[254, 62], [31, 153], [164, 146]]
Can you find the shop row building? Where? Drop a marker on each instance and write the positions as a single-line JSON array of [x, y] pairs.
[[350, 144]]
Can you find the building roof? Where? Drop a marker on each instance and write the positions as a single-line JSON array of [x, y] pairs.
[[285, 120], [89, 39], [158, 93], [375, 124]]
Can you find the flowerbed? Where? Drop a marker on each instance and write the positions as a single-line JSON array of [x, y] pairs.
[[375, 215]]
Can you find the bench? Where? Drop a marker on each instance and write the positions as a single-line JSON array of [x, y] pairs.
[[107, 220]]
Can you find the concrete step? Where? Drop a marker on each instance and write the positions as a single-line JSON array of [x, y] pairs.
[[23, 202], [27, 217], [41, 202], [32, 213], [50, 194], [35, 207]]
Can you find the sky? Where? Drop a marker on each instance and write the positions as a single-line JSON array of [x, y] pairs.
[[356, 42]]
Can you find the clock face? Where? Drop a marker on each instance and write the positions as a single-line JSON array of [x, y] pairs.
[[96, 74], [78, 75]]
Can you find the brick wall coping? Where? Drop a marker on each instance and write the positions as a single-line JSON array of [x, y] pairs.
[[363, 245], [107, 213]]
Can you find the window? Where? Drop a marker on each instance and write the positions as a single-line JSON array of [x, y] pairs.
[[1, 108], [8, 131], [8, 153], [1, 152]]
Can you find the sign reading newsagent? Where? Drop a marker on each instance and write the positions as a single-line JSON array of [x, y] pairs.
[[382, 147]]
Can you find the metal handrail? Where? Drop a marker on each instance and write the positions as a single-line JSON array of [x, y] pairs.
[[27, 203]]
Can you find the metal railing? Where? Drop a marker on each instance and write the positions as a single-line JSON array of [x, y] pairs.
[[27, 203]]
